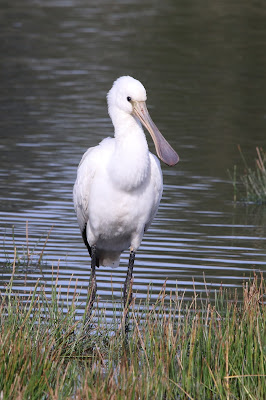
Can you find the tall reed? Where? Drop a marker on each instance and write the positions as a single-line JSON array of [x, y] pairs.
[[253, 180], [201, 349]]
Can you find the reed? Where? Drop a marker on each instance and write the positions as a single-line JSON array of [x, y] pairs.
[[176, 349], [253, 180]]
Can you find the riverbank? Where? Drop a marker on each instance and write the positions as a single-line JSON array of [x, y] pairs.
[[175, 350]]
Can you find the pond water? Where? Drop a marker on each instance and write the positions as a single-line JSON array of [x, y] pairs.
[[203, 65]]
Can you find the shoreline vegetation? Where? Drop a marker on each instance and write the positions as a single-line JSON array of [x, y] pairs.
[[252, 180], [176, 349]]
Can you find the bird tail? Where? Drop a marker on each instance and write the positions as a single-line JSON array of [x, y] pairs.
[[110, 259]]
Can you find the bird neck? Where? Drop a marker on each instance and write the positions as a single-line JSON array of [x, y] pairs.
[[130, 163]]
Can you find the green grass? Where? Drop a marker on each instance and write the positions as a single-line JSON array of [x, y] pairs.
[[252, 181], [201, 349]]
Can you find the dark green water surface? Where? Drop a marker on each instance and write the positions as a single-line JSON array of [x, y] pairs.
[[204, 68]]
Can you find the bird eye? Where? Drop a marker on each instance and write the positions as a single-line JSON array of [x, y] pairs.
[[128, 98]]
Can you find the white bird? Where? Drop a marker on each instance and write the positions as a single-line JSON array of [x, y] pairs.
[[119, 182]]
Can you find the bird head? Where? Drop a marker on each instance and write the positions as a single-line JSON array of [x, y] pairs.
[[128, 95]]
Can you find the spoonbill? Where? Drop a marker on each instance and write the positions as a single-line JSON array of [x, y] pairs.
[[119, 182]]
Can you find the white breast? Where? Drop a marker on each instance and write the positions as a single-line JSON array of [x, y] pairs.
[[115, 208]]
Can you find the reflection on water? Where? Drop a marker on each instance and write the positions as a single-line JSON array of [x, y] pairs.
[[203, 68]]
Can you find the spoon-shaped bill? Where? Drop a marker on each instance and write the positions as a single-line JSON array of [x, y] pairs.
[[164, 151]]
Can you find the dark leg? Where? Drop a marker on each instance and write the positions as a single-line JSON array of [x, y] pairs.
[[92, 284], [128, 288]]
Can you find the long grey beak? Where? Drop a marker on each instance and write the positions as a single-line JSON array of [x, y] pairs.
[[164, 151]]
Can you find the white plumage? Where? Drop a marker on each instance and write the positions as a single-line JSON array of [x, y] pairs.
[[119, 182]]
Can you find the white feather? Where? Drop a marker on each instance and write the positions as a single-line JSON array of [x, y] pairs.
[[119, 182]]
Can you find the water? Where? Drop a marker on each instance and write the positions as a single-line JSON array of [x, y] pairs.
[[203, 65]]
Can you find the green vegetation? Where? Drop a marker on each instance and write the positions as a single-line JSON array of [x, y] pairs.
[[253, 180], [200, 349]]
